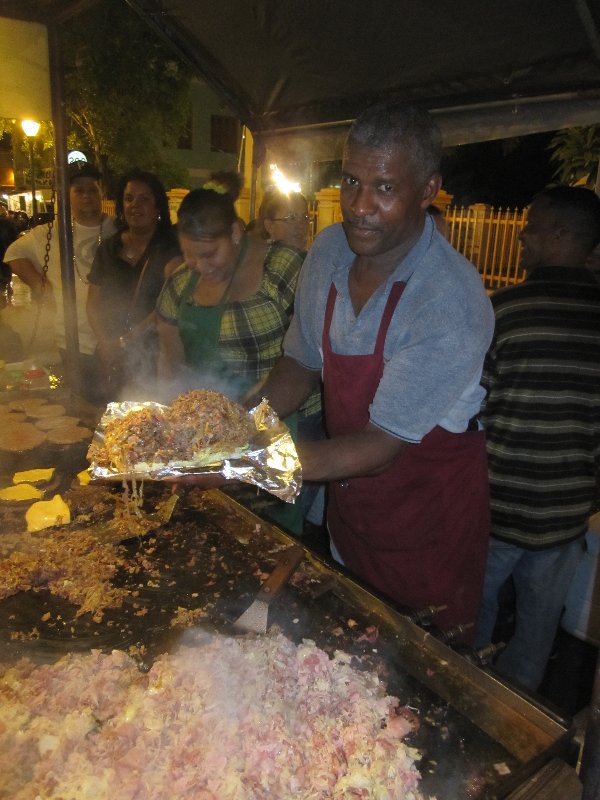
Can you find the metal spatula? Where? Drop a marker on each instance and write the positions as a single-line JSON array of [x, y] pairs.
[[255, 618]]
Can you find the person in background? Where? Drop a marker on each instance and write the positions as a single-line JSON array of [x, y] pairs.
[[283, 217], [127, 275], [27, 258], [592, 262], [11, 344], [542, 419], [398, 324], [226, 181]]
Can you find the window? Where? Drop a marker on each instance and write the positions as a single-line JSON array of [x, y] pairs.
[[224, 134]]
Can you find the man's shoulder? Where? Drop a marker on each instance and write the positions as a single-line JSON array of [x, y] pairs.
[[27, 244], [331, 242]]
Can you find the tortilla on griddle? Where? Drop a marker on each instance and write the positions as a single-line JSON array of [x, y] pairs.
[[48, 410], [68, 434], [28, 404], [46, 423], [20, 437]]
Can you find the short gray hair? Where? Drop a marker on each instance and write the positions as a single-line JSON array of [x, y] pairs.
[[392, 123]]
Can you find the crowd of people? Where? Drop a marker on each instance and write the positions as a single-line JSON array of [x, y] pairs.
[[458, 435]]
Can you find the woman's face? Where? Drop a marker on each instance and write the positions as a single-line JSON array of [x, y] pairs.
[[291, 223], [139, 207], [213, 259]]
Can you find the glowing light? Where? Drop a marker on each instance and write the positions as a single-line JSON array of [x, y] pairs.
[[281, 182], [30, 127]]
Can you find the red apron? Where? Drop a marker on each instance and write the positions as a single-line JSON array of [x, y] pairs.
[[419, 531]]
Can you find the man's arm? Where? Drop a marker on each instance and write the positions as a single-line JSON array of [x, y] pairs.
[[362, 454], [287, 387], [24, 269]]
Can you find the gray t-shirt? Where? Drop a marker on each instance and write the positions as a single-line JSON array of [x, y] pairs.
[[436, 342]]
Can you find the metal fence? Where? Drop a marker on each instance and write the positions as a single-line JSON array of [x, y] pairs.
[[488, 237]]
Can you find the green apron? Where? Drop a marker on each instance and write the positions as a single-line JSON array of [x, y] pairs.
[[200, 331]]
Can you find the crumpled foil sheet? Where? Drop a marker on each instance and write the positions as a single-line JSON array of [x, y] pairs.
[[271, 461]]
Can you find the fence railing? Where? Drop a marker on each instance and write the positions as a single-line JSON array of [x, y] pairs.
[[488, 237]]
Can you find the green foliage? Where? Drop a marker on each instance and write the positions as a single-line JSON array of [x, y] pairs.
[[576, 152], [127, 96]]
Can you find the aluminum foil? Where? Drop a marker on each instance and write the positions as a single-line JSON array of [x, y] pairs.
[[269, 462]]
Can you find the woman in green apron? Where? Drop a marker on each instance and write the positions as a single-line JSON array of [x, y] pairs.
[[223, 313]]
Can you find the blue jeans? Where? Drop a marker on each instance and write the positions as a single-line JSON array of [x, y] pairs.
[[541, 579]]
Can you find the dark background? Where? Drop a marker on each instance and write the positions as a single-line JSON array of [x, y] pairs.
[[505, 173]]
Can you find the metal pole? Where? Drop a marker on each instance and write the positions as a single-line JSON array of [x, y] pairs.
[[32, 177], [63, 217]]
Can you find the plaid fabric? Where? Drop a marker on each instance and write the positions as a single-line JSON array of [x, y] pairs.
[[251, 330]]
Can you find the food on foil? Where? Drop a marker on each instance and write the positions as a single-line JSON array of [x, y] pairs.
[[236, 718], [200, 426], [202, 432]]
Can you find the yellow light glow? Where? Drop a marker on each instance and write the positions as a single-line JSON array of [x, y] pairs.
[[281, 182], [30, 127]]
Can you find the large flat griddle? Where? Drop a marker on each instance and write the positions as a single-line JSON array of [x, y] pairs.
[[478, 737]]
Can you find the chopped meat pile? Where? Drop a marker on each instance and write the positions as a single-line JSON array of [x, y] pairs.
[[197, 423], [72, 564], [230, 719]]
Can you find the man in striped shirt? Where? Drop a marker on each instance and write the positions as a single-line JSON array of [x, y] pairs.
[[542, 417]]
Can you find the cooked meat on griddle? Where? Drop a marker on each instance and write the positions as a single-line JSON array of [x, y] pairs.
[[72, 564]]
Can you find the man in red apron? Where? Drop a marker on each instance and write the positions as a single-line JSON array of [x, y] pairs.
[[397, 324]]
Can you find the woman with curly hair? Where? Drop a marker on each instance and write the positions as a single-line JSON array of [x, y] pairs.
[[127, 275]]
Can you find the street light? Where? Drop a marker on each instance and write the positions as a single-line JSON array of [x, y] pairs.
[[30, 129]]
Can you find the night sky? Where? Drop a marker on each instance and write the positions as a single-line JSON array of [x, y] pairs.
[[505, 173]]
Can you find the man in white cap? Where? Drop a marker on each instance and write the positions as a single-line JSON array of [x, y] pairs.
[[29, 258]]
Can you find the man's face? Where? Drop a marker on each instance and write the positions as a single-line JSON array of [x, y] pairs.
[[85, 198], [538, 236], [382, 203]]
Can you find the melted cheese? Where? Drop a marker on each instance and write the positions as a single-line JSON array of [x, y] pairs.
[[23, 491], [83, 477], [33, 475], [47, 513]]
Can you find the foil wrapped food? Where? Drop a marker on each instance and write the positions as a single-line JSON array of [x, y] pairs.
[[269, 460]]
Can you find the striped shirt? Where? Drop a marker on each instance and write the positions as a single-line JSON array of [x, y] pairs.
[[542, 410]]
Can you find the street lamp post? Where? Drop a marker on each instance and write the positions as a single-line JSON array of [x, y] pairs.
[[30, 129]]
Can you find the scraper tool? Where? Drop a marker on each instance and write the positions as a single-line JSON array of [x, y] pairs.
[[254, 619]]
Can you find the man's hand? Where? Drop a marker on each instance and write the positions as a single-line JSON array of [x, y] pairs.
[[286, 388]]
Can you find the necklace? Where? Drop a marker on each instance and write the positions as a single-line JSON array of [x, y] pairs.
[[84, 278]]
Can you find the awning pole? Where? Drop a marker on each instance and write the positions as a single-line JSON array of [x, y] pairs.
[[63, 215]]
